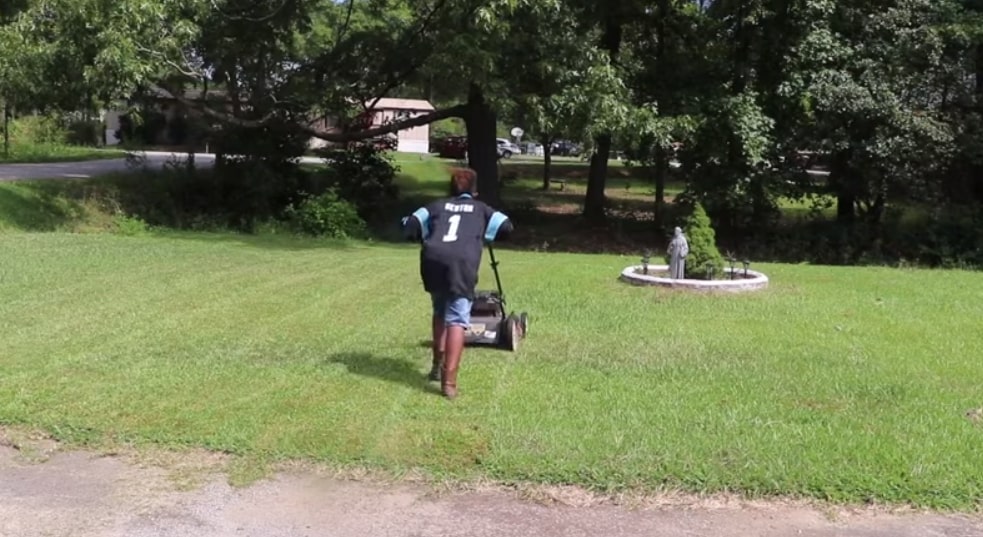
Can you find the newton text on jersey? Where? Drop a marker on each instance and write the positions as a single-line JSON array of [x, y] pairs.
[[459, 208]]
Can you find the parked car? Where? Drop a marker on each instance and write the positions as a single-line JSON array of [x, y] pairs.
[[506, 148], [565, 148], [453, 147]]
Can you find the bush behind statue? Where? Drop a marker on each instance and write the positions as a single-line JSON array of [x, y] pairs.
[[702, 244]]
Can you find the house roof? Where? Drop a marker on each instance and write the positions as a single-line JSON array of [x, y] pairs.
[[403, 104]]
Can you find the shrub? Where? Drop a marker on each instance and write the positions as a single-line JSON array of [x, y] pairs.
[[81, 132], [364, 175], [326, 215], [38, 130], [130, 226], [702, 244]]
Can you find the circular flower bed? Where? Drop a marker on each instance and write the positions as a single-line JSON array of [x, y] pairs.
[[743, 280]]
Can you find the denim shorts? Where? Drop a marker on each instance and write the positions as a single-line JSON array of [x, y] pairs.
[[456, 310]]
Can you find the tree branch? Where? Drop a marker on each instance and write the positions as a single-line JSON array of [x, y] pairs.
[[336, 136], [413, 66], [409, 123], [186, 69], [264, 18], [348, 20]]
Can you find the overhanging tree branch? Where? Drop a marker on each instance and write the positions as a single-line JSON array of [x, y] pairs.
[[409, 123], [336, 136]]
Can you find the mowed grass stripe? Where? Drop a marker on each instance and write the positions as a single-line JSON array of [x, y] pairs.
[[252, 337], [189, 296]]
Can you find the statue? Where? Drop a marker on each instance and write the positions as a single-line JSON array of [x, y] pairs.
[[678, 250]]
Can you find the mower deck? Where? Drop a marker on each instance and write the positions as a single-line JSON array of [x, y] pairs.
[[491, 326]]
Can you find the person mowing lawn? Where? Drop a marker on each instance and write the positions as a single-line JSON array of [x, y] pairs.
[[452, 231]]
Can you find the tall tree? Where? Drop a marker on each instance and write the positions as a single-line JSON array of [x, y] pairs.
[[670, 81], [612, 17], [873, 78]]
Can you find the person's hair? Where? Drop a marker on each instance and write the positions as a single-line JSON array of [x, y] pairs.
[[463, 181]]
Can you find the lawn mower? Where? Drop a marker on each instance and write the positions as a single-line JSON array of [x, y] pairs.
[[490, 325]]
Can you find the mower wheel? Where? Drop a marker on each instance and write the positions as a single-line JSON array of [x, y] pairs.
[[524, 323], [512, 333]]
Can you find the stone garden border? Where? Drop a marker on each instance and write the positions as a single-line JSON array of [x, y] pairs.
[[755, 280]]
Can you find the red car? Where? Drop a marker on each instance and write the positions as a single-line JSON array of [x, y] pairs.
[[454, 147]]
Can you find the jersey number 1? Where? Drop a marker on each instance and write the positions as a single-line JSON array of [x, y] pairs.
[[453, 222]]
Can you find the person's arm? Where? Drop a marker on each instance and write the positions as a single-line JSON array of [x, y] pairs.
[[499, 226], [416, 227]]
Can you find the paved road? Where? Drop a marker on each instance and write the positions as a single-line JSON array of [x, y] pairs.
[[93, 168], [91, 495], [154, 159]]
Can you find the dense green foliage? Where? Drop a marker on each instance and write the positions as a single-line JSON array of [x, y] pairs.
[[877, 105]]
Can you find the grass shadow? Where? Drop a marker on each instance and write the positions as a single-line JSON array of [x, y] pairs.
[[394, 370], [29, 208]]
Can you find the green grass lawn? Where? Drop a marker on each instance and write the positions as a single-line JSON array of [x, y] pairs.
[[56, 153], [838, 383]]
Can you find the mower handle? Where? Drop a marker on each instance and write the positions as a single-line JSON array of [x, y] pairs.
[[498, 280]]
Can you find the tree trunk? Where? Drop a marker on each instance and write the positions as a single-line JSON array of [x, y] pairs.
[[6, 128], [190, 131], [876, 212], [232, 81], [842, 182], [480, 121], [661, 172], [979, 73], [742, 52], [776, 35], [596, 181], [977, 171], [547, 162], [845, 201]]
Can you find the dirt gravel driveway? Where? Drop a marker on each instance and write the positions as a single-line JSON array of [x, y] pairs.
[[82, 494]]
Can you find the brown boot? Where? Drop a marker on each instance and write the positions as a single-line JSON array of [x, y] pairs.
[[435, 370], [448, 383], [452, 359], [437, 347]]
